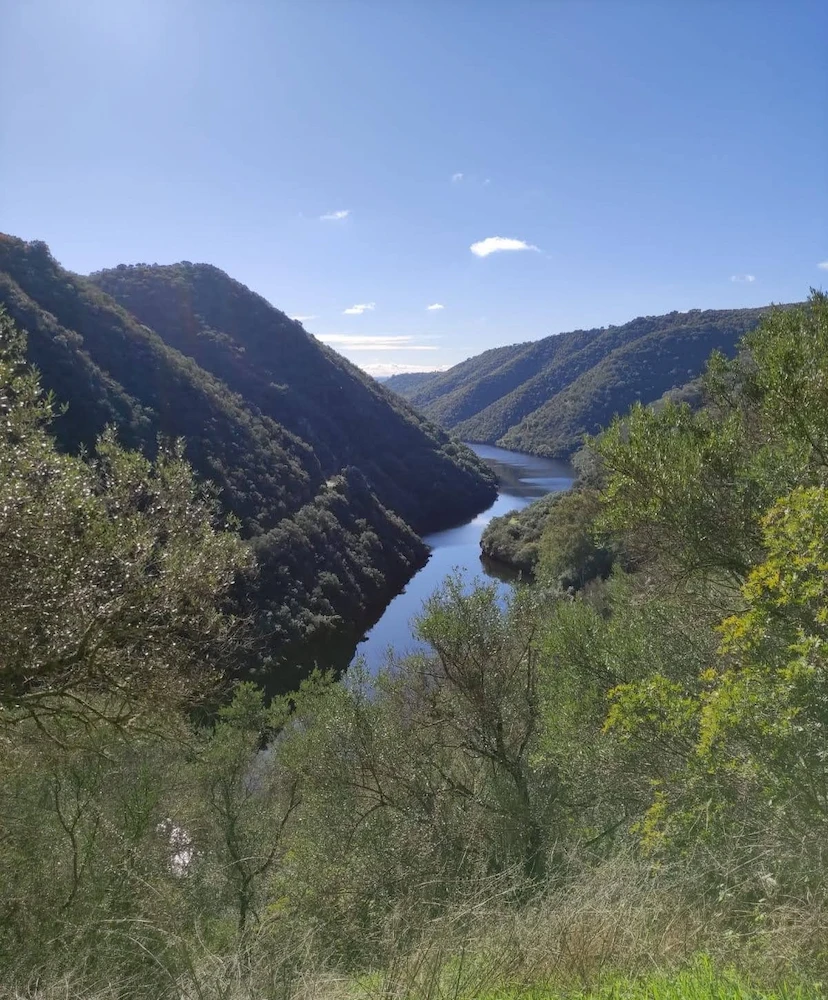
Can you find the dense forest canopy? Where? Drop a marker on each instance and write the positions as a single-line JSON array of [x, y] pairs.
[[621, 769], [542, 397], [344, 415], [322, 467]]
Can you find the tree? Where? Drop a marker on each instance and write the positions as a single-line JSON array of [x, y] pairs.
[[114, 568], [245, 798], [484, 694], [739, 491]]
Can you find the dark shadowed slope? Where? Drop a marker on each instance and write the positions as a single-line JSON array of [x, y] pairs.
[[331, 550], [345, 416], [542, 396]]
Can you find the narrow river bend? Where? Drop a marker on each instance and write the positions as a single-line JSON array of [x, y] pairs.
[[522, 478]]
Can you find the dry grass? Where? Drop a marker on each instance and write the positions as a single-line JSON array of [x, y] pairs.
[[615, 925]]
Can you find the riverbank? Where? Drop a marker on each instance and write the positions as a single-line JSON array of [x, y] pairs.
[[522, 479], [512, 541]]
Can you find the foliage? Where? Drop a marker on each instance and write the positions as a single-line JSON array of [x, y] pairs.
[[616, 790], [343, 415], [113, 568], [681, 486], [572, 553], [751, 725], [406, 383], [542, 397], [514, 538]]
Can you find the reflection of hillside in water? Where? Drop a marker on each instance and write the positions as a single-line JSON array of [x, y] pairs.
[[530, 477]]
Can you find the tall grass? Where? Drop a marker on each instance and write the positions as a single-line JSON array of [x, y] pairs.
[[616, 933]]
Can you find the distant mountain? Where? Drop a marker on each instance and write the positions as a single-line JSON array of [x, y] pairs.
[[543, 396], [330, 475], [407, 382]]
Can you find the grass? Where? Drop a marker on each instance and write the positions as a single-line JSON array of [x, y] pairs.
[[701, 981], [611, 935]]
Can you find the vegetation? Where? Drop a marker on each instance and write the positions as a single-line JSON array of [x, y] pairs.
[[553, 538], [513, 540], [344, 415], [406, 382], [111, 566], [544, 396], [603, 787], [328, 474]]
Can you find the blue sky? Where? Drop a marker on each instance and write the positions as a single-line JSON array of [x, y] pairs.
[[634, 157]]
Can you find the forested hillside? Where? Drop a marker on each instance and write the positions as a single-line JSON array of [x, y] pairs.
[[345, 416], [323, 469], [408, 382], [542, 397]]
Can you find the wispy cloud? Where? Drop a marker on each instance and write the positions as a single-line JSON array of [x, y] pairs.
[[823, 265], [303, 319], [356, 342], [471, 180], [494, 244], [435, 307], [746, 279], [384, 368], [360, 308], [343, 213]]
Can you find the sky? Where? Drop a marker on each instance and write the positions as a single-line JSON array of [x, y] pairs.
[[420, 181]]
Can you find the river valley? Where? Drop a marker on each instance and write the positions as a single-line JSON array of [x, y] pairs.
[[522, 479]]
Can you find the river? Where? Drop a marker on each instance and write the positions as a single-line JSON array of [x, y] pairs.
[[522, 478]]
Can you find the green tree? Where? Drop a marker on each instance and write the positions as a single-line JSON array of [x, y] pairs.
[[244, 801], [485, 677], [114, 568], [739, 492]]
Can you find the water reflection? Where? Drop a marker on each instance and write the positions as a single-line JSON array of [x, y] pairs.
[[523, 478]]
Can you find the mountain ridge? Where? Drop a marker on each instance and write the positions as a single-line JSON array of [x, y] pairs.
[[543, 396], [260, 353]]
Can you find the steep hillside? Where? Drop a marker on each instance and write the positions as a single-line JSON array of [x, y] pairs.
[[322, 515], [345, 416], [407, 382], [542, 396]]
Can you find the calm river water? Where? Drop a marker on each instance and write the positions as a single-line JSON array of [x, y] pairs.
[[523, 478]]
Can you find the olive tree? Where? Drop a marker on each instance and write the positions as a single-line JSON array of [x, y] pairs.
[[113, 568]]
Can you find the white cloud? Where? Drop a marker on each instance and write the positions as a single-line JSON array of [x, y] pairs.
[[493, 244], [355, 342], [343, 213], [360, 308], [823, 265], [303, 319], [385, 368], [747, 279], [435, 306], [456, 177]]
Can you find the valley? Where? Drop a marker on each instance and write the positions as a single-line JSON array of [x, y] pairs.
[[522, 479]]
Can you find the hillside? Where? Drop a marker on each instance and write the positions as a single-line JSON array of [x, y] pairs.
[[610, 783], [543, 396], [344, 415], [407, 382], [329, 475]]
